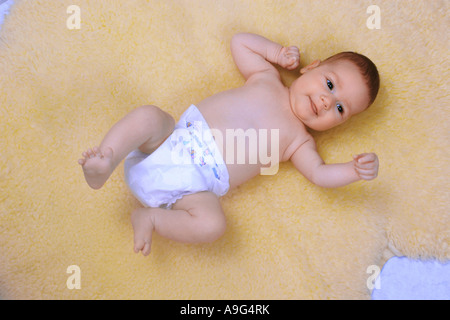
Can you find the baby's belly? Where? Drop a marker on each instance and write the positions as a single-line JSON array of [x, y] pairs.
[[249, 138], [248, 154]]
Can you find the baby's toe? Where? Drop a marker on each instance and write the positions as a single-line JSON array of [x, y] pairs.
[[89, 153], [138, 245], [96, 151], [147, 248]]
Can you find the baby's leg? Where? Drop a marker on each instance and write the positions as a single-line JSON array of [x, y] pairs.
[[194, 218], [145, 128]]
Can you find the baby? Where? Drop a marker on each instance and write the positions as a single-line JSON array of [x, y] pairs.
[[178, 172]]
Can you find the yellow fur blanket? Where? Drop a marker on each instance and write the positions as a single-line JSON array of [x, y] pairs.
[[65, 81]]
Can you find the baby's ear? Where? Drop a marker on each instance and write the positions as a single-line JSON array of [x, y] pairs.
[[311, 66]]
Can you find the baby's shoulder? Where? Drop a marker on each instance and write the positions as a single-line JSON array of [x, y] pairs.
[[265, 78], [267, 87], [298, 136]]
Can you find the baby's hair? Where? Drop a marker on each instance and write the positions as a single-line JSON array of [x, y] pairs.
[[366, 67]]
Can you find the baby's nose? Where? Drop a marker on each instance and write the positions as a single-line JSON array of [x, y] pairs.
[[327, 101]]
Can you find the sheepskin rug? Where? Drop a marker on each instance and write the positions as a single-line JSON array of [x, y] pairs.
[[69, 69]]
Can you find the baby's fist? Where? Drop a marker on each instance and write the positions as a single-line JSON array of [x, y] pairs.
[[366, 165], [289, 58]]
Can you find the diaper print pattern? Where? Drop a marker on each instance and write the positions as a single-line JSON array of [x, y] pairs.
[[199, 151]]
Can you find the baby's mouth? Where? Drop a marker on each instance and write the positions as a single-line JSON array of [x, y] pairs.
[[313, 107]]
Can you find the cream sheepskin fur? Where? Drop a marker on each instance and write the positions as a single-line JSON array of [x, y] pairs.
[[63, 87]]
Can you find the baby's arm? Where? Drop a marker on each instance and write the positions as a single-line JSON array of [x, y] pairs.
[[253, 54], [307, 160]]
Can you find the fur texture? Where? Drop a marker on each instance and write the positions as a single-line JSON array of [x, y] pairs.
[[62, 89]]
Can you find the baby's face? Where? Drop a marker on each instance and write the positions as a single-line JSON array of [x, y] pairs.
[[328, 94]]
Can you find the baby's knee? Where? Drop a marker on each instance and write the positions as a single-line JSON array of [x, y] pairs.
[[150, 113], [213, 228]]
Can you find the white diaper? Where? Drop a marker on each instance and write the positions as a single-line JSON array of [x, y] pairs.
[[188, 162]]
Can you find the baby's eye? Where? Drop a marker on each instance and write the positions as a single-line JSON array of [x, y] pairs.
[[340, 108], [330, 84]]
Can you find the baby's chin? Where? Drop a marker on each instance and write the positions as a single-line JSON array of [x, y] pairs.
[[319, 127]]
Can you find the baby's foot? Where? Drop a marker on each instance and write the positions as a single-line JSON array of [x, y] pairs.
[[97, 166], [143, 227]]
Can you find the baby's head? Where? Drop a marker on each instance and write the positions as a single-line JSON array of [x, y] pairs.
[[366, 67], [330, 92]]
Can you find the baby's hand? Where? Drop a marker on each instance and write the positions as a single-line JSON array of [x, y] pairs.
[[366, 165], [289, 58]]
